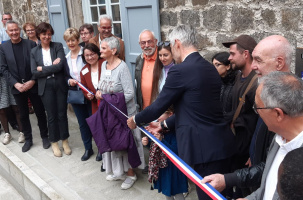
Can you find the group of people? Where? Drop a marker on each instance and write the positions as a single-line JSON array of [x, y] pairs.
[[243, 109]]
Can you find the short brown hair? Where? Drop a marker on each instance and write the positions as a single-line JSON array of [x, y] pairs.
[[42, 28], [89, 27], [28, 24]]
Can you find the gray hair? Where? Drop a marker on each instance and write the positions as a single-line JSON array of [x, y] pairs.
[[287, 51], [146, 30], [107, 17], [283, 90], [186, 34], [12, 22], [113, 43]]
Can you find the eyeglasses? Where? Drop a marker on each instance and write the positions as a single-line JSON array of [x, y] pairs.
[[85, 33], [7, 19], [165, 43], [255, 108], [90, 55], [149, 42], [106, 27]]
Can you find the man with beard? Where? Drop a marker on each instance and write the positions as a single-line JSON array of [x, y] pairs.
[[243, 118], [144, 68], [145, 63]]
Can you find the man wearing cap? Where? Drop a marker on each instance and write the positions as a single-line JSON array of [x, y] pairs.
[[243, 118]]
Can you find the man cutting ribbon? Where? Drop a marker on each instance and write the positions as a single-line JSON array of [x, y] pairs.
[[193, 87]]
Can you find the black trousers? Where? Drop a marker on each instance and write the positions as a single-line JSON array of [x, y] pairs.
[[205, 169], [22, 103], [55, 102]]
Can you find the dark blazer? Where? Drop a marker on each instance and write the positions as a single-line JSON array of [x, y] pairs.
[[9, 66], [56, 50], [193, 87], [86, 80]]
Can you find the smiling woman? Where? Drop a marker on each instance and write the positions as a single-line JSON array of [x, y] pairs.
[[47, 61]]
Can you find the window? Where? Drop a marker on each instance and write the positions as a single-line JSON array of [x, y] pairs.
[[92, 9]]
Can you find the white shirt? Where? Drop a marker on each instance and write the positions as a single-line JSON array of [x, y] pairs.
[[272, 176], [95, 81], [47, 59]]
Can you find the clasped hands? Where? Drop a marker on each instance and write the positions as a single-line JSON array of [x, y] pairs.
[[23, 87]]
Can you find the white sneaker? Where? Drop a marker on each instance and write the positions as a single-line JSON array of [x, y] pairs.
[[7, 138], [112, 177], [21, 138], [129, 182]]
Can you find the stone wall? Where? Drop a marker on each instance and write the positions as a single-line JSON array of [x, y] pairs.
[[221, 20], [26, 10]]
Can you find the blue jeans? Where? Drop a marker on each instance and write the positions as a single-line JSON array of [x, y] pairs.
[[82, 112]]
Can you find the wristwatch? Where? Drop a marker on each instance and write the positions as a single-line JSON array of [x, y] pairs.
[[163, 126]]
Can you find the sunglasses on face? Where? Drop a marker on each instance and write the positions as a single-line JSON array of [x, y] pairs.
[[165, 43]]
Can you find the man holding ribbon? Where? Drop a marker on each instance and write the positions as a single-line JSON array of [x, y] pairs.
[[193, 87]]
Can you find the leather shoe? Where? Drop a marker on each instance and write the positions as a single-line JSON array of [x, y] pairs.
[[99, 156], [87, 154], [102, 169], [27, 145], [46, 143]]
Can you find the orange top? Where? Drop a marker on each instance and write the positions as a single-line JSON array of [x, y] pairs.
[[147, 78]]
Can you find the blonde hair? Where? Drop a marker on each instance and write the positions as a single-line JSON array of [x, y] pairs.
[[71, 33]]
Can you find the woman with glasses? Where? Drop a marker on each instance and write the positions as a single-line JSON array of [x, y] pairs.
[[47, 65], [228, 76], [30, 29], [90, 77], [167, 178]]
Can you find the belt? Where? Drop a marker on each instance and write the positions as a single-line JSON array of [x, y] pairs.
[[51, 76]]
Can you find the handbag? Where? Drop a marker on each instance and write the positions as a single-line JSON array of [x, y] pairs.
[[75, 97]]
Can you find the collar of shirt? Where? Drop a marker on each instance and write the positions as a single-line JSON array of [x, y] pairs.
[[153, 57], [293, 144], [188, 55]]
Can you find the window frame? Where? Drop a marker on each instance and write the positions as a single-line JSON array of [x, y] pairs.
[[86, 8]]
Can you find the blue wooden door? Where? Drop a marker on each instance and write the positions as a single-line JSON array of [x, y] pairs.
[[137, 15], [57, 14]]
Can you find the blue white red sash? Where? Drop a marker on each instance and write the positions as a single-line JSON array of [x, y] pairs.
[[178, 162]]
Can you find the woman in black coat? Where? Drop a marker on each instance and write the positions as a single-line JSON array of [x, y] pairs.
[[47, 67]]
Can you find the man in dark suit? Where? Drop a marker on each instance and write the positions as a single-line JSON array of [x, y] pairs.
[[15, 65], [193, 87]]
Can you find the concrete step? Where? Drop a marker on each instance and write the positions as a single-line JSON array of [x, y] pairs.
[[38, 174]]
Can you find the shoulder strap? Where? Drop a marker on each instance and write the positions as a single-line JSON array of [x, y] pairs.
[[242, 101]]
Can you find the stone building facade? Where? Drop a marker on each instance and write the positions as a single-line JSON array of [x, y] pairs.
[[221, 20], [25, 10], [216, 20]]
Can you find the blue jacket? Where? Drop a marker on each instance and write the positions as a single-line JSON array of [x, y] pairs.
[[193, 87]]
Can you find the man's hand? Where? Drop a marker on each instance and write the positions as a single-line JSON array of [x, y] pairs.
[[248, 162], [57, 61], [130, 123], [19, 87], [154, 127], [29, 84], [215, 180]]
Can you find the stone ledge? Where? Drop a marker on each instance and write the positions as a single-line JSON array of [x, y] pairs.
[[26, 181]]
